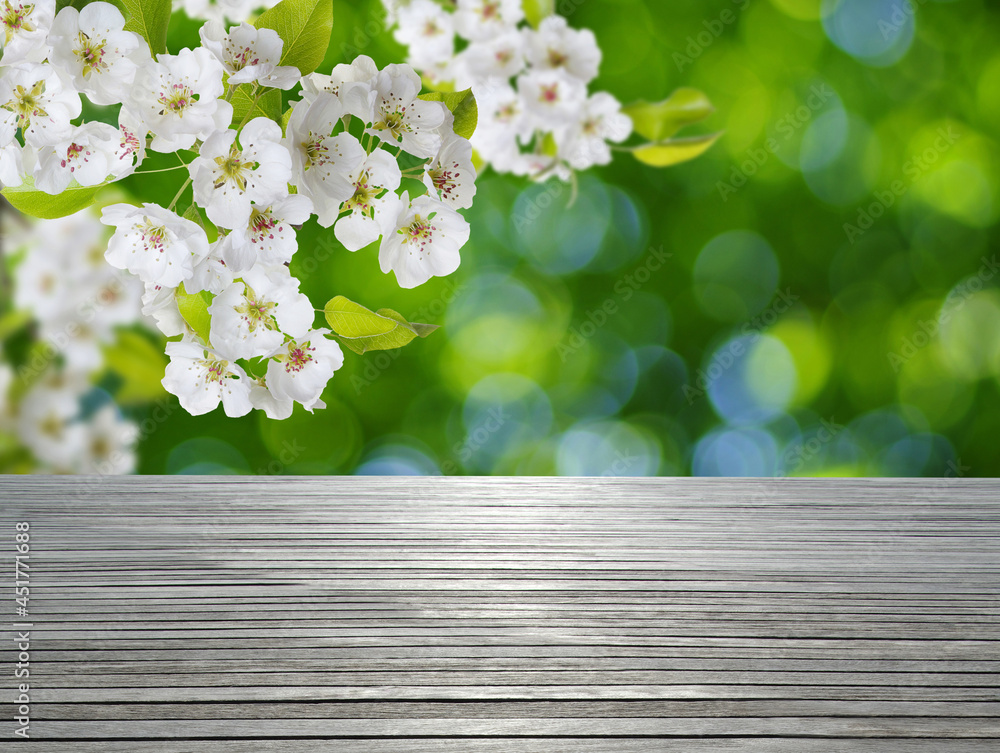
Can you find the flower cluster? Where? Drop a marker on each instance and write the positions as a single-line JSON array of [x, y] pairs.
[[76, 302], [536, 117], [344, 151], [48, 61]]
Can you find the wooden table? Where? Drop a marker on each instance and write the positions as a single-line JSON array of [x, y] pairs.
[[248, 615]]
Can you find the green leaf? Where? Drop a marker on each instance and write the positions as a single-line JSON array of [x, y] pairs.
[[550, 147], [537, 10], [148, 19], [661, 120], [285, 119], [675, 151], [362, 330], [248, 105], [305, 27], [140, 364], [30, 201], [192, 214], [194, 310], [420, 330], [462, 105], [350, 319], [13, 321]]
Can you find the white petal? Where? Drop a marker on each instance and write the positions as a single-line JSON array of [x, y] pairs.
[[356, 231]]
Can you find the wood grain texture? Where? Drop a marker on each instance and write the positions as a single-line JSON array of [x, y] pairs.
[[223, 615]]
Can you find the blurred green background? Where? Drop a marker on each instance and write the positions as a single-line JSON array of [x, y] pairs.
[[815, 296]]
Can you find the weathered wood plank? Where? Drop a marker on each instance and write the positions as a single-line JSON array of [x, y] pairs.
[[803, 727], [532, 745], [509, 709], [50, 694], [545, 615]]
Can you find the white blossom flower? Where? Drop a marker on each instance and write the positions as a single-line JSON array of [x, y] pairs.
[[76, 299], [361, 70], [24, 27], [108, 444], [212, 273], [227, 177], [89, 322], [89, 316], [322, 163], [447, 75], [91, 46], [63, 276], [421, 240], [179, 99], [87, 156], [154, 243], [353, 84], [80, 351], [503, 122], [12, 168], [131, 150], [160, 305], [32, 98], [556, 46], [46, 424], [499, 58], [478, 20], [277, 409], [77, 302], [269, 236], [249, 55], [201, 379], [586, 142], [303, 367], [451, 176], [428, 30], [379, 173], [540, 167], [401, 118], [251, 317], [551, 98]]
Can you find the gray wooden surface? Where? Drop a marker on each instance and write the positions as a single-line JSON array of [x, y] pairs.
[[242, 615]]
